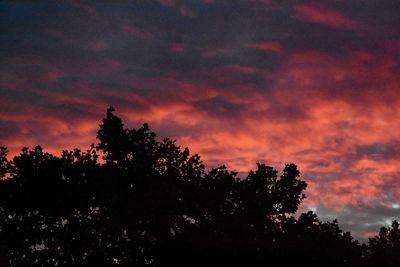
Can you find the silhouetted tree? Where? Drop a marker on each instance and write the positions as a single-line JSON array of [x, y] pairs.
[[310, 242], [3, 162], [149, 202], [384, 249]]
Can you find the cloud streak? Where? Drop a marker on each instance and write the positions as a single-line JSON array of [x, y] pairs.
[[314, 14]]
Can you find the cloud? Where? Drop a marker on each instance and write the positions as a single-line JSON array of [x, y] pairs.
[[314, 14], [136, 31], [273, 47], [235, 81], [388, 150], [217, 106]]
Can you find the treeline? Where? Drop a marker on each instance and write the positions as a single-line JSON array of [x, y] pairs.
[[149, 202]]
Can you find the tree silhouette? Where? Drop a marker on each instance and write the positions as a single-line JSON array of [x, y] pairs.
[[3, 162], [150, 202], [385, 247]]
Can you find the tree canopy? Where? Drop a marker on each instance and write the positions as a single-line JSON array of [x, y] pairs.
[[135, 200]]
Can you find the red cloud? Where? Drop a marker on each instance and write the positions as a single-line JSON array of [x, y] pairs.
[[274, 47], [392, 46], [324, 16]]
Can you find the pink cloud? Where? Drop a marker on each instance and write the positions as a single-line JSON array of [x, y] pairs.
[[318, 15], [274, 47]]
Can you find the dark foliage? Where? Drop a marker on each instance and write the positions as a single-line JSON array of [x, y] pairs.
[[149, 202]]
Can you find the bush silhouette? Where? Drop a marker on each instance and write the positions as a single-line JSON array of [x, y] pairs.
[[149, 202]]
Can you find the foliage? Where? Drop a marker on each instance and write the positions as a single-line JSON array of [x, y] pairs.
[[149, 202]]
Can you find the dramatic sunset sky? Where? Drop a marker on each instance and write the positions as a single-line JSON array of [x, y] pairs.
[[316, 83]]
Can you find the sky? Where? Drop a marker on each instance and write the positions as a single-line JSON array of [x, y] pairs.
[[316, 83]]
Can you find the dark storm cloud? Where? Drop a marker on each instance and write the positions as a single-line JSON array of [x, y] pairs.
[[218, 106], [389, 150]]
